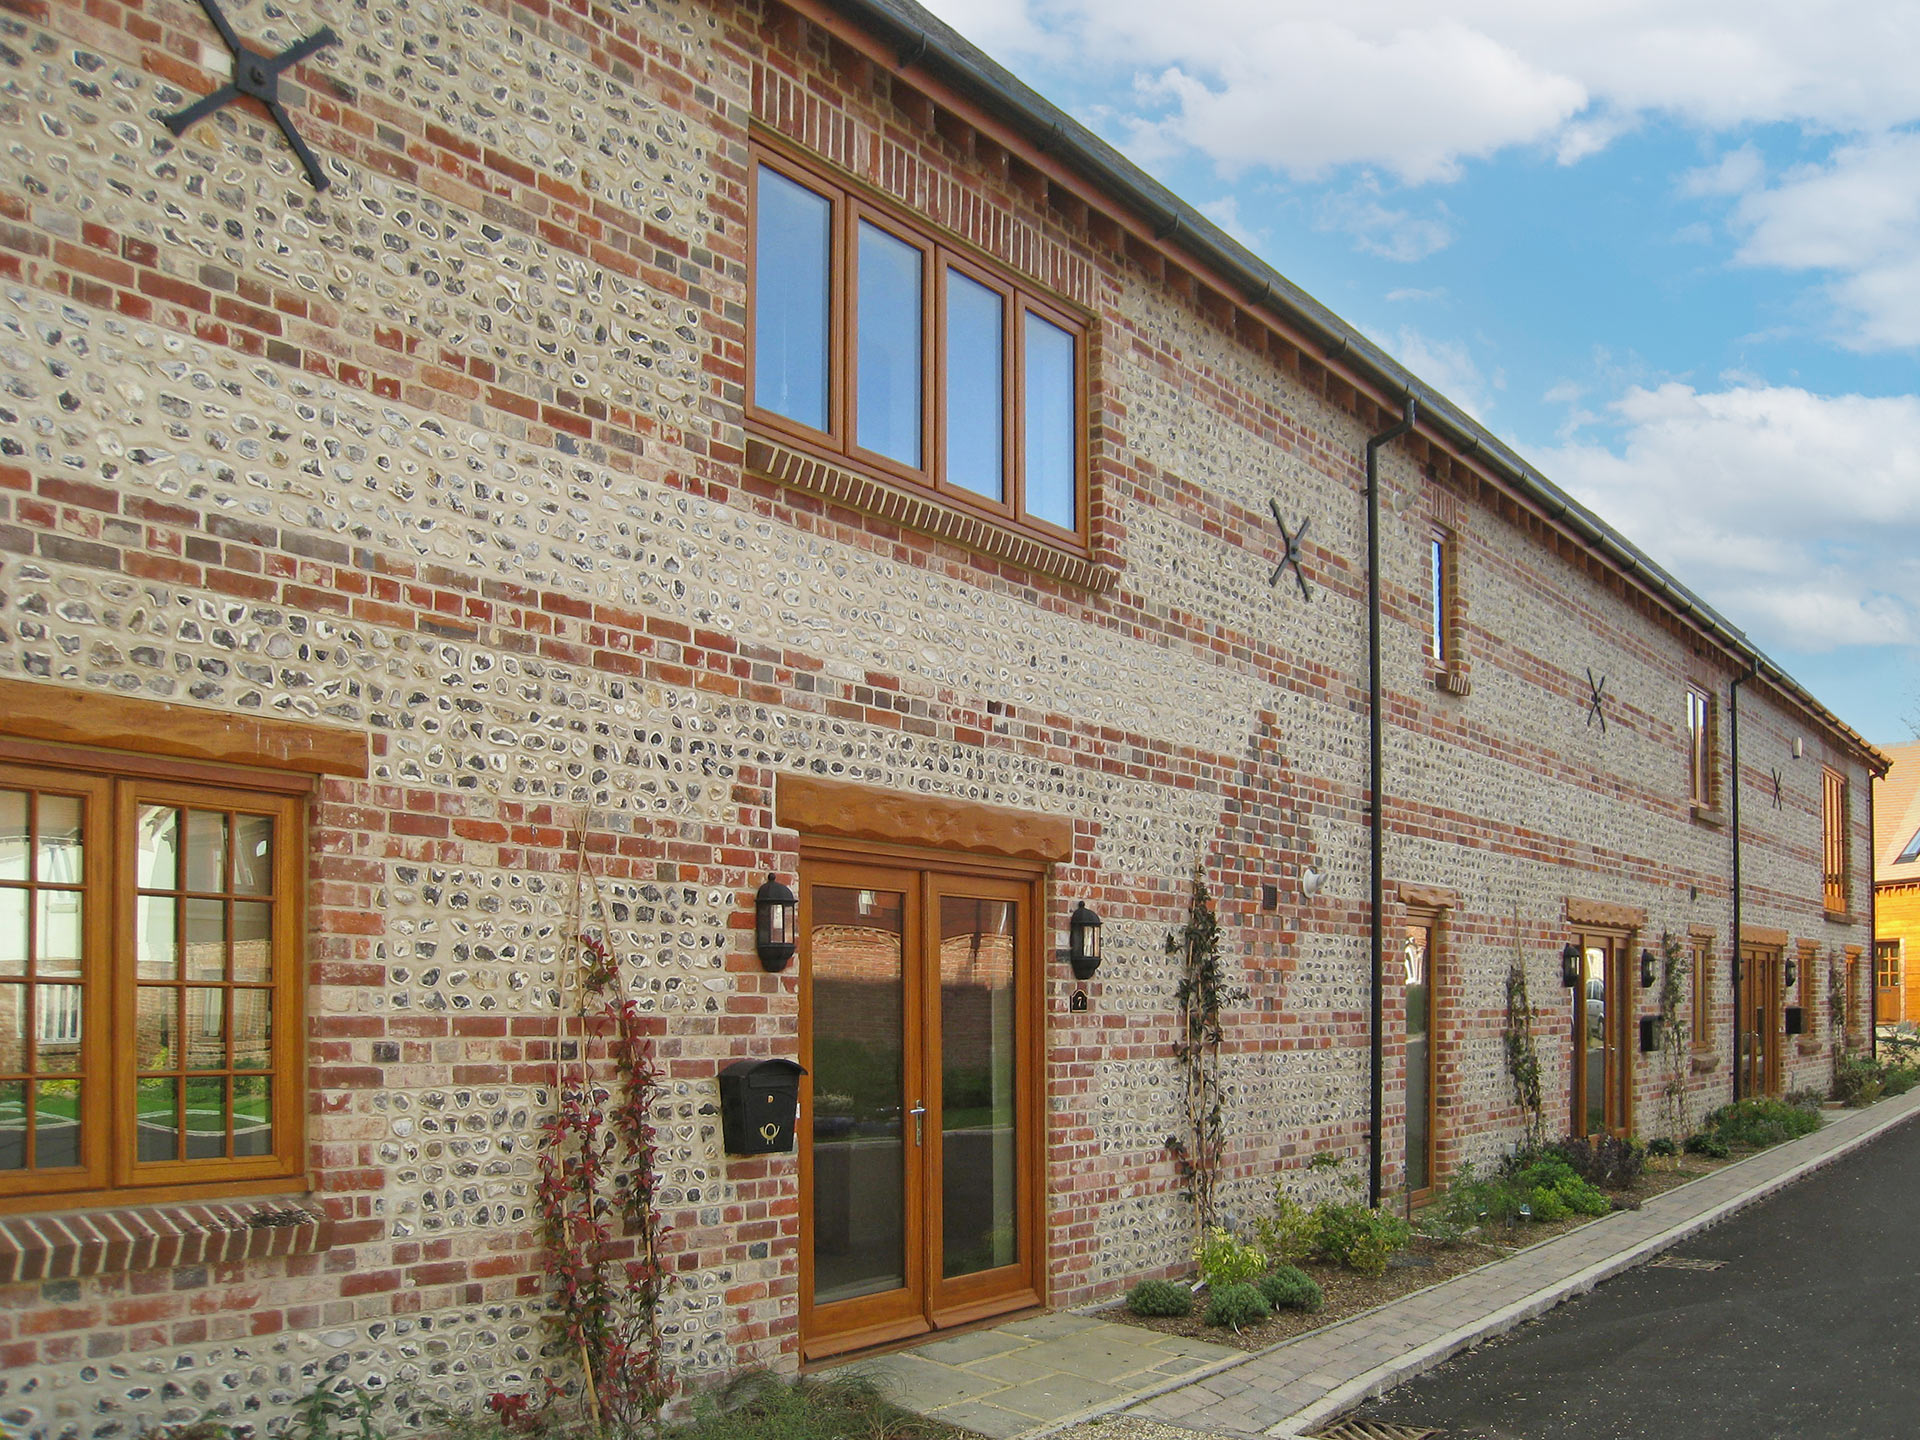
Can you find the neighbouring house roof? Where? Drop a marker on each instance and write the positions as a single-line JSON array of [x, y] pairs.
[[920, 39], [1896, 815]]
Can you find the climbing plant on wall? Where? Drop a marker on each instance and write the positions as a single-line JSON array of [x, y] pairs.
[[598, 1187], [1673, 1037], [1200, 993], [1523, 1056]]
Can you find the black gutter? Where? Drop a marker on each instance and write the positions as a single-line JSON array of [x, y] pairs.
[[1873, 931], [1733, 749], [1376, 808], [945, 53]]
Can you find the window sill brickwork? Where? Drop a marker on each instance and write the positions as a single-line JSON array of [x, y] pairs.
[[78, 1244]]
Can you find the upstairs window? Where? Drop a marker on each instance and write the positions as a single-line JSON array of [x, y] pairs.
[[877, 342], [1834, 811], [1911, 853], [1439, 597], [1702, 747], [1702, 1018]]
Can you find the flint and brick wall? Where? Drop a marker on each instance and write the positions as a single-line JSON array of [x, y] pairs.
[[452, 455]]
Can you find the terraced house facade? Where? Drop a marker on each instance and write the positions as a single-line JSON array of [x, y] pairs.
[[746, 440]]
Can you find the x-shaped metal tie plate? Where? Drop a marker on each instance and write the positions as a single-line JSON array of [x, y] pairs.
[[1596, 707], [1290, 552], [257, 75]]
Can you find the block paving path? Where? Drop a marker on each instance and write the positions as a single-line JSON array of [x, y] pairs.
[[1044, 1374]]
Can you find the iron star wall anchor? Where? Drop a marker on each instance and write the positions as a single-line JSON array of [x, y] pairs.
[[1290, 552], [257, 74]]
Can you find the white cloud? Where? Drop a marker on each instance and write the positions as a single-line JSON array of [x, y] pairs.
[[1796, 515], [1734, 173], [1388, 231], [1305, 86], [1449, 367], [1410, 293], [1225, 212]]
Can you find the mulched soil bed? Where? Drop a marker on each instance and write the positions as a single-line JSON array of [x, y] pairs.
[[1422, 1264]]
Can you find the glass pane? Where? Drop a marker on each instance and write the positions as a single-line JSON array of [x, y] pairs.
[[792, 246], [1052, 429], [1437, 599], [888, 340], [206, 850], [13, 835], [252, 1115], [56, 1025], [56, 1124], [252, 940], [59, 850], [206, 1118], [206, 939], [252, 1028], [979, 1156], [13, 1029], [158, 1126], [156, 940], [859, 1161], [1596, 1041], [253, 854], [13, 1124], [13, 931], [1415, 954], [205, 1036], [157, 1026], [975, 427], [58, 936], [156, 865]]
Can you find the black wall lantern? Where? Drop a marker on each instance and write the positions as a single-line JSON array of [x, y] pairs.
[[1646, 968], [1570, 965], [1793, 974], [1083, 941], [774, 907]]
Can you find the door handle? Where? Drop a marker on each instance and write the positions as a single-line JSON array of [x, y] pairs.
[[917, 1112]]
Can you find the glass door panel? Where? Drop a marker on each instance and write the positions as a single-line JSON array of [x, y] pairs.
[[857, 955], [1594, 976], [979, 1151], [1417, 953]]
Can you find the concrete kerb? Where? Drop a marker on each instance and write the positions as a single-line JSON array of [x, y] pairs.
[[1422, 1358], [1384, 1377]]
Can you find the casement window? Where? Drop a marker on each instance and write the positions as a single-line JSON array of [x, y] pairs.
[[1703, 748], [1440, 647], [875, 342], [1911, 853], [150, 984], [1836, 848], [1702, 1027], [1886, 965]]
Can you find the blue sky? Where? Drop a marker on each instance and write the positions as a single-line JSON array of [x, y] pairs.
[[1668, 249]]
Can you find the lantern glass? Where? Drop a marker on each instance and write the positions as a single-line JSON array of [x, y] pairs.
[[774, 907], [1083, 941]]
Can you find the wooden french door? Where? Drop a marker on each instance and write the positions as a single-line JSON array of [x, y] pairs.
[[1762, 1035], [919, 1125], [1422, 1058], [1602, 1089]]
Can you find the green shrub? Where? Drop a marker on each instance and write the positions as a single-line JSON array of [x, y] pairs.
[[1236, 1306], [1473, 1199], [1226, 1261], [1360, 1238], [1708, 1144], [1901, 1078], [1290, 1288], [1604, 1160], [1547, 1206], [1291, 1232], [1758, 1123], [1662, 1146], [1160, 1297], [757, 1406], [1858, 1081]]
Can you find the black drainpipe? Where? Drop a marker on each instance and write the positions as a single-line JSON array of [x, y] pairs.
[[1376, 812], [1873, 932], [1733, 748]]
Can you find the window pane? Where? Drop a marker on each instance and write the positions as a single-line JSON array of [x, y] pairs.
[[13, 1029], [13, 1124], [57, 937], [206, 850], [1052, 430], [978, 1135], [252, 1026], [792, 240], [252, 940], [253, 854], [1437, 599], [56, 1124], [56, 1025], [13, 834], [157, 943], [58, 862], [13, 932], [975, 425], [205, 1037], [252, 1115], [157, 1027], [206, 1118], [156, 867], [888, 338], [206, 939], [156, 1121]]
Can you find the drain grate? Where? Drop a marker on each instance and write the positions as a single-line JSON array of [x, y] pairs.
[[1373, 1430], [1681, 1262]]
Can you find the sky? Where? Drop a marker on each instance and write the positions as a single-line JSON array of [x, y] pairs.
[[1669, 250]]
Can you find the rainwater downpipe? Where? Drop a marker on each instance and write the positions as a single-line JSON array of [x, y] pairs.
[[1376, 811], [1733, 758]]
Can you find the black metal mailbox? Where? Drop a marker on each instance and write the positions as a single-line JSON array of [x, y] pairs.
[[758, 1102], [1796, 1018], [1649, 1034]]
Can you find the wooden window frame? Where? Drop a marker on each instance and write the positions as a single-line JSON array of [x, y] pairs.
[[1703, 751], [852, 204], [116, 784], [1700, 953], [1836, 841], [1433, 918]]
